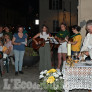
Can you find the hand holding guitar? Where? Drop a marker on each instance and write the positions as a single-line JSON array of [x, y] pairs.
[[66, 39]]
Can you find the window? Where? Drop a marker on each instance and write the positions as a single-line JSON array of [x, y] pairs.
[[55, 25], [55, 4]]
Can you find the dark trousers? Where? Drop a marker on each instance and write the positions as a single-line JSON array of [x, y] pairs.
[[1, 64]]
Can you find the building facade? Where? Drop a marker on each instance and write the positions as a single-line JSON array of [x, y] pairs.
[[54, 12], [84, 14]]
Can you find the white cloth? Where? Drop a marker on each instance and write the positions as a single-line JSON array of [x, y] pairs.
[[87, 44], [78, 77], [45, 36], [62, 48], [5, 55], [53, 40], [1, 34]]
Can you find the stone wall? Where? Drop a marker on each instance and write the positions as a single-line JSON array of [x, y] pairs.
[[84, 14]]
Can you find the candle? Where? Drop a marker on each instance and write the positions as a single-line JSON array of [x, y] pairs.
[[69, 49]]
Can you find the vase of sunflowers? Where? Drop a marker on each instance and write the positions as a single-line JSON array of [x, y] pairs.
[[51, 80]]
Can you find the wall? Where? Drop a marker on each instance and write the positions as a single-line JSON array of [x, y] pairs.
[[84, 14], [47, 16]]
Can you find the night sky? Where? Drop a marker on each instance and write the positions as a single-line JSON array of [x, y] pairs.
[[24, 6]]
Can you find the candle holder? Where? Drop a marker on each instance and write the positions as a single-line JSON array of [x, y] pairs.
[[70, 61]]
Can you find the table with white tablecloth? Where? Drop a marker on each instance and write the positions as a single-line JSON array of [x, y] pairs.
[[78, 77]]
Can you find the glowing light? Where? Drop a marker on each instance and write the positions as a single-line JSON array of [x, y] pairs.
[[37, 22]]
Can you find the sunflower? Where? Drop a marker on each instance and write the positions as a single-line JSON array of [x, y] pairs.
[[50, 80], [52, 71]]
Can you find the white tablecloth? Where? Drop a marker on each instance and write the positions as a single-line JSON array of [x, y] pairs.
[[78, 77]]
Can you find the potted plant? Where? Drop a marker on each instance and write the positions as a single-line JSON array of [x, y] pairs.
[[51, 80], [31, 57]]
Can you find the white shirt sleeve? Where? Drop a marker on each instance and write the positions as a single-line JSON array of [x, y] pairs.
[[84, 47]]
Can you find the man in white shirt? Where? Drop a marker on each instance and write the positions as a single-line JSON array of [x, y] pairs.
[[87, 44]]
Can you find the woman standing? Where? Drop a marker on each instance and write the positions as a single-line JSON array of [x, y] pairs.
[[19, 41], [77, 38], [45, 55], [62, 49]]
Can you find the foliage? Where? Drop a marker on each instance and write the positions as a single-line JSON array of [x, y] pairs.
[[30, 52], [51, 80]]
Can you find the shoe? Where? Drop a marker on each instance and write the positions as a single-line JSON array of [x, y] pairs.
[[16, 73], [58, 70], [21, 72]]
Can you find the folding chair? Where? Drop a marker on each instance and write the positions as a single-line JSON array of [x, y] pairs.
[[5, 58]]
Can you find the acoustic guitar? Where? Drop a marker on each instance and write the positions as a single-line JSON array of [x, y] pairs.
[[71, 39], [41, 43]]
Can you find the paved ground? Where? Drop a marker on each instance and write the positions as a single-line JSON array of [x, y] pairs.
[[30, 75]]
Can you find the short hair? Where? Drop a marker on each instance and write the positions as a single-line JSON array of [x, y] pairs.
[[89, 23], [78, 28]]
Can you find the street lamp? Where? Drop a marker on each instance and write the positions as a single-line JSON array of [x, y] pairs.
[[37, 22]]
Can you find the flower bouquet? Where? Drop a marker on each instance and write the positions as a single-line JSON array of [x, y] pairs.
[[51, 80]]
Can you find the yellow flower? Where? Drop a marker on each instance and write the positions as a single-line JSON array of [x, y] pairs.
[[51, 71], [61, 34], [50, 80]]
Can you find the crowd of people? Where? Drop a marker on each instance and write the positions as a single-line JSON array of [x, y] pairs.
[[13, 44], [64, 37]]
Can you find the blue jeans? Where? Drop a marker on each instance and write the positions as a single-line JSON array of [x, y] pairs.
[[18, 59], [72, 52]]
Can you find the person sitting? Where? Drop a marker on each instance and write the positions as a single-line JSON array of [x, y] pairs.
[[7, 31], [8, 44], [3, 52], [1, 32], [87, 44]]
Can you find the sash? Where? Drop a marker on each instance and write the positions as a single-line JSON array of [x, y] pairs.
[[75, 35]]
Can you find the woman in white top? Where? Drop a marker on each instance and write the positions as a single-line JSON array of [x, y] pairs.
[[45, 55]]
